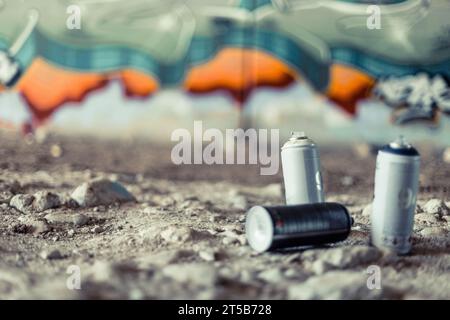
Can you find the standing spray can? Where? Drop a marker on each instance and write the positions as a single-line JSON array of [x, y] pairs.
[[301, 171], [396, 187]]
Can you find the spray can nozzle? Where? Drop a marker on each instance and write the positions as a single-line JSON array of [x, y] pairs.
[[401, 143], [297, 135]]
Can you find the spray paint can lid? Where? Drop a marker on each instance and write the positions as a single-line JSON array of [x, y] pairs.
[[401, 147], [298, 139]]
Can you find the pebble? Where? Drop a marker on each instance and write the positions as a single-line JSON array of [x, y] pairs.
[[229, 241], [343, 257], [56, 151], [367, 211], [334, 285], [200, 274], [274, 275], [207, 255], [78, 220], [436, 206], [163, 258], [246, 276], [97, 229], [34, 226], [434, 232], [240, 203], [44, 200], [150, 210], [101, 192], [214, 218], [177, 234], [320, 267], [22, 202], [273, 190], [446, 155], [99, 209], [426, 218], [51, 254], [362, 150], [102, 271], [292, 273]]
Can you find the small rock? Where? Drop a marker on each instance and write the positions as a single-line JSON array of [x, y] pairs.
[[51, 254], [367, 212], [246, 276], [150, 210], [229, 241], [292, 273], [70, 233], [101, 192], [434, 232], [362, 150], [177, 234], [99, 209], [44, 200], [97, 229], [272, 190], [240, 203], [274, 275], [214, 218], [242, 240], [335, 285], [163, 258], [56, 151], [207, 255], [65, 218], [426, 218], [80, 220], [343, 257], [319, 267], [436, 206], [446, 155], [199, 274], [103, 271], [22, 202], [33, 226]]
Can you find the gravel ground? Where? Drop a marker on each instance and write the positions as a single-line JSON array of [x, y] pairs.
[[134, 226]]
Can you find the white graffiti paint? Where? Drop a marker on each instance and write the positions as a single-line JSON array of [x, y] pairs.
[[8, 69], [419, 91]]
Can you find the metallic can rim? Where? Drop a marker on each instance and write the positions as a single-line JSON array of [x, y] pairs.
[[260, 239]]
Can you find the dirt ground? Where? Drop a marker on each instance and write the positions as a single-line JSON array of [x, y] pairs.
[[183, 237]]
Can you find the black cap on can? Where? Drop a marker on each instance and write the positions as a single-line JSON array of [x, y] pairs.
[[401, 147]]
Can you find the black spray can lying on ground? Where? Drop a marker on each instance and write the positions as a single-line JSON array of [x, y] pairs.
[[270, 228]]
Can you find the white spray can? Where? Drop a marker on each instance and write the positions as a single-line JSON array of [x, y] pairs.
[[301, 171], [396, 187]]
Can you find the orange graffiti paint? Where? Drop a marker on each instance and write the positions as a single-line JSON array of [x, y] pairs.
[[348, 86], [239, 71], [138, 84], [46, 87]]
